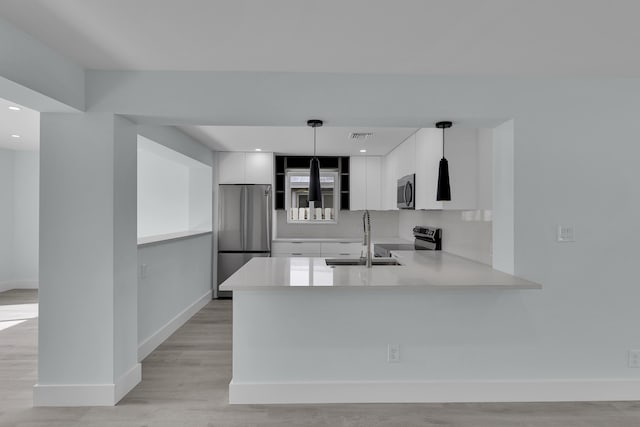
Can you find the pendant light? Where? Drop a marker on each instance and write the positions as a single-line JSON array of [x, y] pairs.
[[444, 188], [315, 193]]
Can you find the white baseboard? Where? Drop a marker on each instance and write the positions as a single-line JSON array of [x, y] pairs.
[[127, 382], [148, 345], [435, 391], [18, 284], [87, 394]]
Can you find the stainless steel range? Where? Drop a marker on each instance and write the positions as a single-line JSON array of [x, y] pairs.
[[425, 239]]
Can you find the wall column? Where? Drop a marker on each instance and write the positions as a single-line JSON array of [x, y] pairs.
[[88, 260]]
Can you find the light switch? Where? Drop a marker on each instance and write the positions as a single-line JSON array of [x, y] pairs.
[[566, 233]]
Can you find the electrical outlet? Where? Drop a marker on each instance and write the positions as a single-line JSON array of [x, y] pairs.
[[566, 233], [393, 353], [634, 358]]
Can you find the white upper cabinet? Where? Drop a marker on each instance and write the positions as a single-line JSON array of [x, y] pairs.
[[245, 168], [485, 169], [390, 175], [461, 151], [365, 175], [406, 157], [428, 155], [258, 168], [231, 167]]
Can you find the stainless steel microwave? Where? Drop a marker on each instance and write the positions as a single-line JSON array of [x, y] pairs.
[[407, 192]]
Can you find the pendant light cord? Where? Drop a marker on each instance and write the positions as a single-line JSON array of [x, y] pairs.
[[314, 141], [443, 143]]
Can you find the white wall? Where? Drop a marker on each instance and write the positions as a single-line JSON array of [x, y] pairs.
[[26, 217], [200, 198], [174, 191], [175, 276], [503, 190], [178, 274], [6, 216], [87, 341], [163, 195], [383, 224], [30, 69], [19, 192]]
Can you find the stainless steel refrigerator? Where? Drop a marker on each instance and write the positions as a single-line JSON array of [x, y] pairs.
[[244, 230]]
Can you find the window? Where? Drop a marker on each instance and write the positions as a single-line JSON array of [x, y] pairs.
[[297, 205]]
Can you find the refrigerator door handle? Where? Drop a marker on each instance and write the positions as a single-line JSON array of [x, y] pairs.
[[267, 216], [243, 216]]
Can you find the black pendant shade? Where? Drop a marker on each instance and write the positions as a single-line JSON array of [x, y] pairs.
[[444, 187], [315, 192]]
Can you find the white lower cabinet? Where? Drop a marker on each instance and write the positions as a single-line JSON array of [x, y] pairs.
[[295, 249], [340, 249], [304, 248]]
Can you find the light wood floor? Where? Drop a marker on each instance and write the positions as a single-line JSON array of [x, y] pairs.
[[184, 383]]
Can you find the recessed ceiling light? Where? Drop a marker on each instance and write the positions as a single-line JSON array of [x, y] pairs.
[[363, 151], [258, 149], [15, 136], [14, 108]]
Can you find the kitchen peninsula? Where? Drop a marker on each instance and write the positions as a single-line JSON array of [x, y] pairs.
[[304, 332]]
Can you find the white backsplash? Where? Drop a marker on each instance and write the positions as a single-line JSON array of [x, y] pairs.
[[383, 223], [464, 233]]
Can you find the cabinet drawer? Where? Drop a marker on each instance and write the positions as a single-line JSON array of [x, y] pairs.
[[339, 248], [342, 255], [295, 247], [296, 254]]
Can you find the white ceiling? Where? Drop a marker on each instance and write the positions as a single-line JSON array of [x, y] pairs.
[[488, 37], [25, 123], [298, 140]]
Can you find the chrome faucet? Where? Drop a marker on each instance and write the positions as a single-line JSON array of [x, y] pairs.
[[366, 224]]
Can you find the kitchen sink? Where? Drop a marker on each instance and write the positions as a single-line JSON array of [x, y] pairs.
[[332, 262]]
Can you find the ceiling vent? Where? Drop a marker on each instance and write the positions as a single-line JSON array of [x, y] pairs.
[[360, 136]]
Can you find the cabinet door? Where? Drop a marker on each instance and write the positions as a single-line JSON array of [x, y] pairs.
[[231, 167], [485, 169], [374, 183], [358, 183], [390, 180], [258, 168], [461, 150], [297, 248], [406, 156], [341, 249], [428, 153]]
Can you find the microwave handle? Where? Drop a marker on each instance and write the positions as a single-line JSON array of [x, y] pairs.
[[408, 193]]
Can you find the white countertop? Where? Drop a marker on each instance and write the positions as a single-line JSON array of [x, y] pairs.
[[419, 269], [147, 240]]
